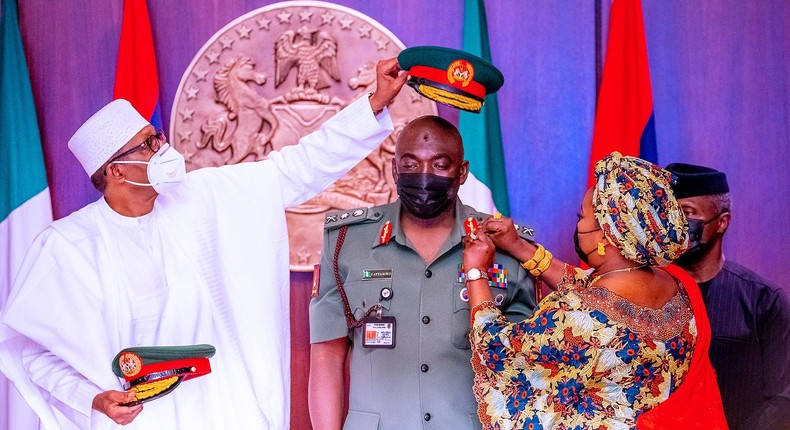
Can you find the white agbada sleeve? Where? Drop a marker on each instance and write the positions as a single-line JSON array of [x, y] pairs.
[[325, 155], [54, 362], [245, 203]]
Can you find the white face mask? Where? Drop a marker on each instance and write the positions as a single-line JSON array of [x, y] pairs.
[[166, 169]]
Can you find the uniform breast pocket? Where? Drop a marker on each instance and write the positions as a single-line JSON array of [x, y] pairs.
[[362, 295], [460, 323], [459, 329]]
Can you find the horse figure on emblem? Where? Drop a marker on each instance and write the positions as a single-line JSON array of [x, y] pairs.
[[247, 113]]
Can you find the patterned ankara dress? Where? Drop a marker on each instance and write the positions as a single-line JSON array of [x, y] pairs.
[[587, 359]]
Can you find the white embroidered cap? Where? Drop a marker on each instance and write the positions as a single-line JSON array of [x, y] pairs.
[[107, 131]]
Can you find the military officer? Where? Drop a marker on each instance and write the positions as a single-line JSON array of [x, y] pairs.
[[391, 289]]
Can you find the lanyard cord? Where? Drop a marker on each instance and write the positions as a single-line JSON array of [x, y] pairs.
[[350, 321]]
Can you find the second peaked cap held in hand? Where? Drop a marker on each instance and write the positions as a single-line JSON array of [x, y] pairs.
[[449, 76], [153, 371]]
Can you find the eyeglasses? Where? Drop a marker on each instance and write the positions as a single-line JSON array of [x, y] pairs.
[[153, 142]]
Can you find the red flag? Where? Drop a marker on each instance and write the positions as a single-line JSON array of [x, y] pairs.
[[136, 79], [624, 116]]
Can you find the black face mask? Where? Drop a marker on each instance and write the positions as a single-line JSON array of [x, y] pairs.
[[579, 251], [425, 195], [697, 248]]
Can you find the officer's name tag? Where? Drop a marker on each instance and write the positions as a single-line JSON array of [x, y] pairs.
[[376, 274], [379, 332]]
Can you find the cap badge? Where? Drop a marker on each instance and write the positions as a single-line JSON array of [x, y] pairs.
[[130, 364], [461, 71]]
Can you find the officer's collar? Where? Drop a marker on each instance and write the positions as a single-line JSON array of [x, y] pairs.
[[393, 216]]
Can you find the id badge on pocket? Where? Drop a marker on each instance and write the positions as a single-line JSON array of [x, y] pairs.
[[379, 332]]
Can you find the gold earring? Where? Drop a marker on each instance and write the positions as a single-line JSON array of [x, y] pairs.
[[601, 249]]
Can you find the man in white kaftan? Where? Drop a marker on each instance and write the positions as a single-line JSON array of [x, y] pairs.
[[208, 263]]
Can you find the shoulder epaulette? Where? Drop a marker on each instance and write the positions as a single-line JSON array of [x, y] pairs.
[[526, 233], [479, 216], [352, 216]]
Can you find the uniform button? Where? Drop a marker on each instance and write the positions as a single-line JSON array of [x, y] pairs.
[[426, 319], [424, 367], [428, 274], [426, 417]]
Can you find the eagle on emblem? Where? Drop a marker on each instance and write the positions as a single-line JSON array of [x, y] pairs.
[[310, 51]]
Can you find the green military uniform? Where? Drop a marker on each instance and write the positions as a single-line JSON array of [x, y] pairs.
[[425, 380]]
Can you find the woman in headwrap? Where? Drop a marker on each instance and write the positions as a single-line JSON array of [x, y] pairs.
[[621, 345]]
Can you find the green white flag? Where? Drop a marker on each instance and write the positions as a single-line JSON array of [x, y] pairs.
[[25, 207], [481, 131]]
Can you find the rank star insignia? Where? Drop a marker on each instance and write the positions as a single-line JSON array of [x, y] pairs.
[[524, 229], [344, 215]]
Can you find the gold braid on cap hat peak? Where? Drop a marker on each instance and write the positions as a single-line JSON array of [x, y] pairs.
[[452, 99], [150, 389]]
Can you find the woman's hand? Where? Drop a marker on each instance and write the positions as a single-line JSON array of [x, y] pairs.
[[503, 233], [478, 252]]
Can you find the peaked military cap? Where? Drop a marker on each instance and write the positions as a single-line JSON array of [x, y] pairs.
[[153, 371], [690, 180], [449, 76]]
